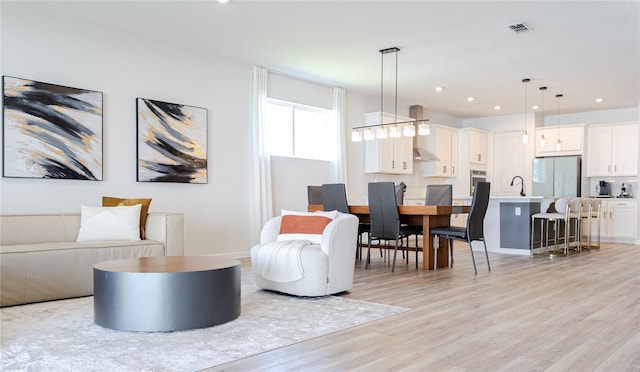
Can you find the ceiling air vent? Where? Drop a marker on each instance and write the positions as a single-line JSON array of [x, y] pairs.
[[519, 27]]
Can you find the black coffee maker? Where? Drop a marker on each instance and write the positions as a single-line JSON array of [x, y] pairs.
[[604, 189]]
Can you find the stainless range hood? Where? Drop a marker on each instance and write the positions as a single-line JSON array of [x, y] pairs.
[[419, 153]]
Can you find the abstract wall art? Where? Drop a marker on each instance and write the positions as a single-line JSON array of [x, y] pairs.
[[51, 131], [172, 142]]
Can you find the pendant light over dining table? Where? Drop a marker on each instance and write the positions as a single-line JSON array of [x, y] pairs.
[[397, 128]]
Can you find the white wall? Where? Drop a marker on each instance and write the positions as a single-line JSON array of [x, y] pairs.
[[39, 47]]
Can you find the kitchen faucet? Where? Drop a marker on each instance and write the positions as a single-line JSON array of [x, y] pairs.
[[521, 185]]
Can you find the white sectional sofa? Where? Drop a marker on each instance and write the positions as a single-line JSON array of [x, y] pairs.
[[40, 259]]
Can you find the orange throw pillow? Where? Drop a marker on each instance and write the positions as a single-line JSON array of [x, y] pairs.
[[109, 201], [296, 227]]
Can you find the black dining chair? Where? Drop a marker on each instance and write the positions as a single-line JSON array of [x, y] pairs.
[[385, 219], [474, 231], [334, 198], [314, 195], [439, 195]]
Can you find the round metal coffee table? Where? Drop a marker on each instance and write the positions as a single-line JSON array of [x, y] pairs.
[[167, 293]]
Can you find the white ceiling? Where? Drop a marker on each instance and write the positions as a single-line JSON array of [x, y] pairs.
[[582, 49]]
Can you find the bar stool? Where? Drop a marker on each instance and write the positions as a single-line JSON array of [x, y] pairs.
[[557, 217], [593, 215]]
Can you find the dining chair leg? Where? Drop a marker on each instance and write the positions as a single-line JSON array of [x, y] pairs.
[[395, 253], [451, 251], [368, 260], [486, 254], [473, 258], [436, 245], [416, 251]]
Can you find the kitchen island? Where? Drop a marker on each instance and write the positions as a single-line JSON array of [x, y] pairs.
[[507, 224]]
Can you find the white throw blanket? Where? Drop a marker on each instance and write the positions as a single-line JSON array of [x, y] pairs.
[[280, 261]]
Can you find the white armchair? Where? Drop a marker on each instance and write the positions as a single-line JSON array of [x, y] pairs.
[[327, 268]]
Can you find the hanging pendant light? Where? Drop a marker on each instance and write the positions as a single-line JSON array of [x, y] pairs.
[[424, 129], [525, 135], [542, 142], [368, 134], [397, 128], [558, 142], [356, 135]]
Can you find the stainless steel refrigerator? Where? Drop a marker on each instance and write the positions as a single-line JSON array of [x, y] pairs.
[[557, 176]]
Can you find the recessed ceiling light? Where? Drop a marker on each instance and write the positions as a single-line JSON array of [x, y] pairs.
[[599, 100], [439, 89], [470, 99], [535, 107], [497, 107], [223, 1]]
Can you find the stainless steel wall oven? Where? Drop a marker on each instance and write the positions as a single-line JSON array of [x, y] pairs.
[[477, 176]]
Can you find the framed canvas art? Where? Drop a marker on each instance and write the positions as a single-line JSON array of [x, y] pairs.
[[51, 131], [172, 142]]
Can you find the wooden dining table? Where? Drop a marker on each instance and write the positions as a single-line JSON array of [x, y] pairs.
[[426, 215]]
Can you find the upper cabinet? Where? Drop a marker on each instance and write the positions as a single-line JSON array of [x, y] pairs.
[[390, 155], [472, 146], [571, 139], [443, 143], [612, 150]]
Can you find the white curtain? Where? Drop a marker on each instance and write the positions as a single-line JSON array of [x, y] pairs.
[[339, 109], [262, 196]]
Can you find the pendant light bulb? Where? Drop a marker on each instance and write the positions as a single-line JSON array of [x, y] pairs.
[[543, 142], [525, 135], [409, 130], [368, 134], [558, 142], [424, 129], [356, 135], [381, 133], [395, 131]]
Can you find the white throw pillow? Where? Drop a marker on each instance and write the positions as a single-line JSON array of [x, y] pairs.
[[109, 223], [331, 214]]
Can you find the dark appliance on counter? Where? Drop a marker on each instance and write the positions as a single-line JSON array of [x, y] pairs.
[[604, 189], [558, 176], [625, 191]]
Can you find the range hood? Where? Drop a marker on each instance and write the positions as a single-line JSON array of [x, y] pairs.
[[419, 153]]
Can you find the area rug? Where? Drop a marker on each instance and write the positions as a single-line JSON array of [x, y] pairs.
[[61, 335]]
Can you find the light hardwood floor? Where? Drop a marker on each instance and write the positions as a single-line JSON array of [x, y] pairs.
[[577, 313]]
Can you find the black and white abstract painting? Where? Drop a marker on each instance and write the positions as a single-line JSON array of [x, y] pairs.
[[51, 131], [172, 142]]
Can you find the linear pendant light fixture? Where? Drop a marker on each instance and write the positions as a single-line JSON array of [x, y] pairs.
[[542, 142], [397, 128], [525, 135]]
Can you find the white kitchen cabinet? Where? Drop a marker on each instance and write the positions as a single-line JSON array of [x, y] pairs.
[[508, 161], [618, 220], [390, 155], [477, 146], [443, 143], [612, 150], [571, 138]]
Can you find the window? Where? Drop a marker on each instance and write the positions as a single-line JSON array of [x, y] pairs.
[[299, 131]]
